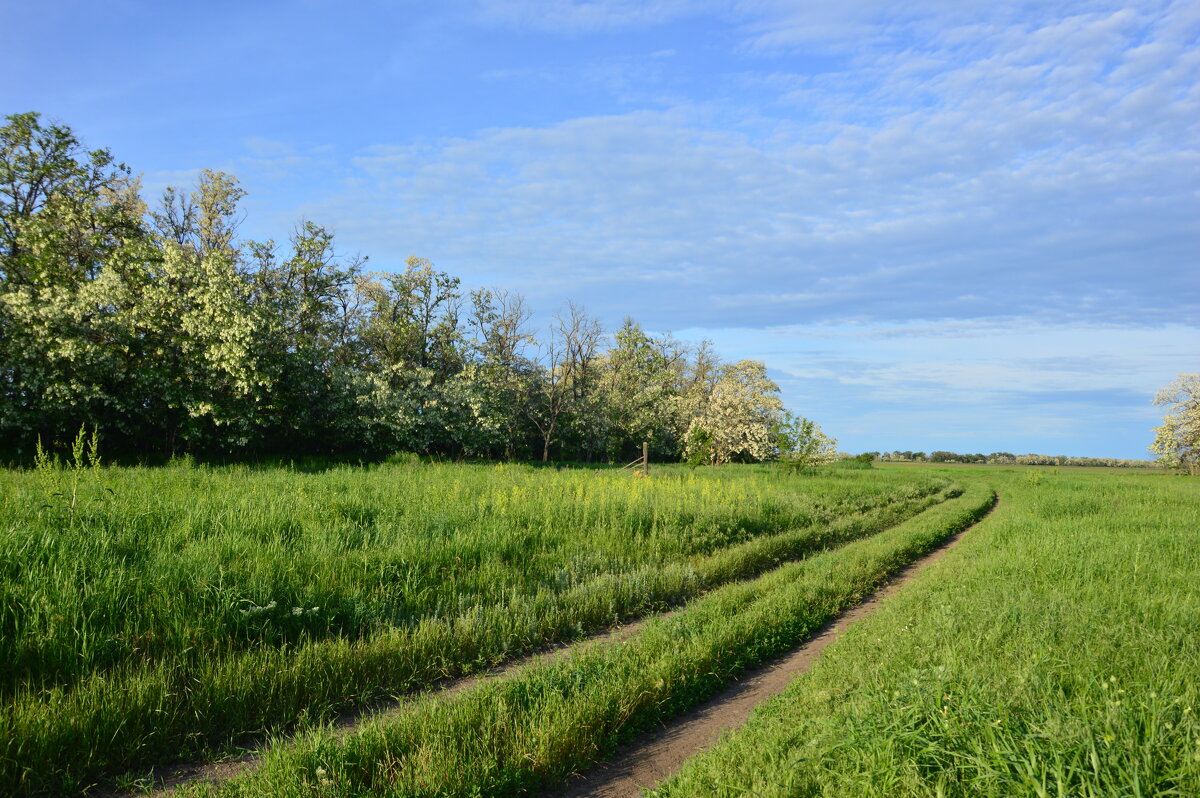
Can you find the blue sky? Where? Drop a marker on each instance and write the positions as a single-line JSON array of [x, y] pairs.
[[942, 225]]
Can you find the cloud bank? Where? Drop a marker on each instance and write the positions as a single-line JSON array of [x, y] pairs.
[[946, 169]]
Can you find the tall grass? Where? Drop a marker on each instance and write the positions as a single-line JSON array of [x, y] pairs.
[[1056, 652], [516, 734], [170, 611]]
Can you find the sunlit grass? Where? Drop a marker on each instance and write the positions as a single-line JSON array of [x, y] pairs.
[[171, 611], [516, 734], [1056, 652]]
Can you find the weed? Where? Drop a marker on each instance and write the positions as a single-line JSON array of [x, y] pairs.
[[62, 484]]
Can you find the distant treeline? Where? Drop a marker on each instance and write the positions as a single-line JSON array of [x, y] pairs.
[[1007, 458], [160, 328]]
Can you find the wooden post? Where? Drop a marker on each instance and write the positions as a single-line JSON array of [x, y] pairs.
[[645, 458]]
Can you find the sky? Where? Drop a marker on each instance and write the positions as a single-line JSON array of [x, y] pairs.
[[942, 225]]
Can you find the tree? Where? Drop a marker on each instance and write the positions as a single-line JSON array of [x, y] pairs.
[[568, 356], [698, 446], [62, 210], [1177, 441], [741, 414], [202, 222], [802, 444], [72, 246], [200, 355], [409, 338], [639, 384], [586, 425], [202, 364], [501, 376]]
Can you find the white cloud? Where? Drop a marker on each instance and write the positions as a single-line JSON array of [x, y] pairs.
[[980, 358], [983, 385], [1015, 161], [269, 148]]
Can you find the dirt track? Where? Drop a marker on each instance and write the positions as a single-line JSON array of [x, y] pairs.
[[170, 777], [650, 759], [642, 763]]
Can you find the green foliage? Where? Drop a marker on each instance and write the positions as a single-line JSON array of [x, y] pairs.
[[856, 463], [801, 444], [63, 484], [699, 446], [64, 213], [636, 383]]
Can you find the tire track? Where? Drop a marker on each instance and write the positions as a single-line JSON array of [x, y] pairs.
[[166, 780], [656, 755], [169, 778]]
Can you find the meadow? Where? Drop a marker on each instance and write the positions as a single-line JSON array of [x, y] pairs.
[[173, 613], [1055, 652], [153, 615], [528, 732]]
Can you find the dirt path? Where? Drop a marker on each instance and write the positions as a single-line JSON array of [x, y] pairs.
[[650, 759], [168, 778]]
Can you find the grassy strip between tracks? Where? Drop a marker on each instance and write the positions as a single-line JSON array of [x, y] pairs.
[[1057, 652], [64, 739], [532, 729]]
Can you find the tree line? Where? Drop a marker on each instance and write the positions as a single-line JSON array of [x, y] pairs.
[[1008, 458], [158, 326]]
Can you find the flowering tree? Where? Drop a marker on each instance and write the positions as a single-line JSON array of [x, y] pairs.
[[1177, 441], [740, 415]]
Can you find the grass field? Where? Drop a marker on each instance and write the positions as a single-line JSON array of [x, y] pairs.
[[172, 613], [1056, 652], [530, 731], [150, 615]]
